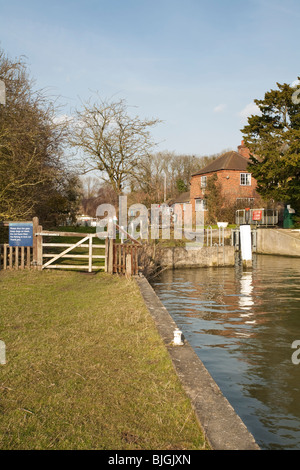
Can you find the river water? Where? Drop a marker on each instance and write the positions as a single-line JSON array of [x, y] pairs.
[[242, 325]]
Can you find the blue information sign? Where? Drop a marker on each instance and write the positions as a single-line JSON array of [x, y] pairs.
[[20, 234]]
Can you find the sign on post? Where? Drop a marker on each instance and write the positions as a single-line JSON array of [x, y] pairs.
[[20, 234], [257, 215]]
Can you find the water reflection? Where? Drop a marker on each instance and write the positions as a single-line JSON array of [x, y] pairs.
[[246, 300], [242, 326]]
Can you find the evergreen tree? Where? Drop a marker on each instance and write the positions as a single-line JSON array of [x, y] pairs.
[[273, 138]]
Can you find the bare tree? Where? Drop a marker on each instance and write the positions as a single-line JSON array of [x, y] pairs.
[[154, 170], [91, 186], [111, 140], [34, 179]]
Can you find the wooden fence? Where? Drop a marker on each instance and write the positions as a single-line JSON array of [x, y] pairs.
[[120, 258], [123, 258], [15, 257]]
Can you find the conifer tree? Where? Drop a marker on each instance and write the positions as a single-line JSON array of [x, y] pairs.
[[273, 138]]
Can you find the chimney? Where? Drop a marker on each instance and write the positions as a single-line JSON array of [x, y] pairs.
[[243, 150]]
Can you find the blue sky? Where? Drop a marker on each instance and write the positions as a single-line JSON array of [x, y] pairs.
[[196, 65]]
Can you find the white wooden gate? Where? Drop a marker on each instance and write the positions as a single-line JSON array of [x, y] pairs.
[[85, 242]]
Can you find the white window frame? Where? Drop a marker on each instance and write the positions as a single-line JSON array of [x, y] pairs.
[[200, 205], [247, 179], [203, 181]]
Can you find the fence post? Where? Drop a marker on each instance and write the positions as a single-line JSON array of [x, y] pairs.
[[10, 257], [110, 255], [106, 254], [5, 255], [128, 265], [39, 248], [35, 222], [16, 257], [90, 253]]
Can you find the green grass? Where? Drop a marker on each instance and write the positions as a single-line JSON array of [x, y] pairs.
[[86, 368]]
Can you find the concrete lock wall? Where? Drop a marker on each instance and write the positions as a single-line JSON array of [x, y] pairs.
[[278, 242], [180, 257]]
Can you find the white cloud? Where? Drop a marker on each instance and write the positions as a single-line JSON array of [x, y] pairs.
[[63, 118], [295, 84], [249, 110], [220, 108]]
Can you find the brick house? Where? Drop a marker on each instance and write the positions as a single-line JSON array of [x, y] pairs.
[[238, 187], [181, 200]]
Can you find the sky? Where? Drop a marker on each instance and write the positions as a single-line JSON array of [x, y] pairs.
[[196, 65]]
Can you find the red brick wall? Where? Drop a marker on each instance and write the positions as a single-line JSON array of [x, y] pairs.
[[230, 187]]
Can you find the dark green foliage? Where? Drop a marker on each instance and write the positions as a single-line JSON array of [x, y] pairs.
[[273, 138], [181, 186]]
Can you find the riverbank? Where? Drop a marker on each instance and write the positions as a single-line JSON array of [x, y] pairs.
[[86, 368]]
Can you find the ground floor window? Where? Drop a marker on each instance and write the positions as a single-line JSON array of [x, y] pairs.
[[200, 205], [243, 202]]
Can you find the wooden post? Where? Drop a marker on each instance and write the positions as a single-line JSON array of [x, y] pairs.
[[22, 257], [39, 246], [28, 260], [128, 265], [10, 257], [110, 255], [35, 222], [16, 257], [5, 256], [106, 255], [136, 261]]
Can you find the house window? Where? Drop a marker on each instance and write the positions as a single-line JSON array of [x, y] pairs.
[[243, 202], [200, 205], [203, 181], [245, 179]]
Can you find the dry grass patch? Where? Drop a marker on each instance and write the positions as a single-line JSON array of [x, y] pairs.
[[86, 368]]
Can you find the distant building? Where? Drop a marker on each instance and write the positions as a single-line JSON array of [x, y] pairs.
[[237, 184], [182, 199]]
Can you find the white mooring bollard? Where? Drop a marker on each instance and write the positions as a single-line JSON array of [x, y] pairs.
[[177, 337], [2, 353]]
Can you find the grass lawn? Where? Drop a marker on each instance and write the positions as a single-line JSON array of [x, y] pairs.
[[86, 368]]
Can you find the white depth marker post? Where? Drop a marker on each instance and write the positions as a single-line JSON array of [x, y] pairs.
[[246, 245]]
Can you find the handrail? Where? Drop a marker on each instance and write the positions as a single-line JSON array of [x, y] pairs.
[[69, 234], [134, 240]]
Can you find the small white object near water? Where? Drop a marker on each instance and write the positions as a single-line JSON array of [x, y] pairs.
[[2, 353], [177, 337], [222, 224]]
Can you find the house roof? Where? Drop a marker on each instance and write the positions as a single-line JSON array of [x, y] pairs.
[[228, 161], [180, 199], [183, 197]]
